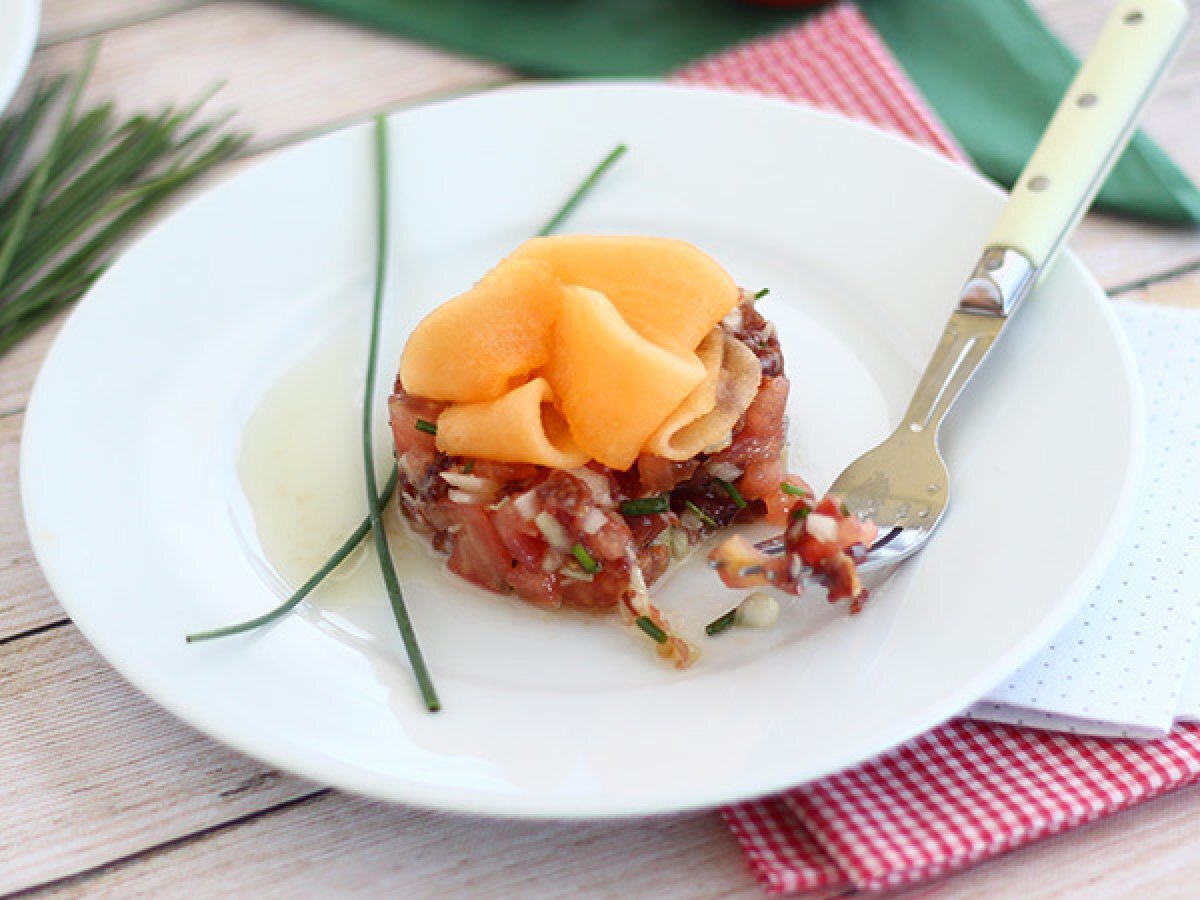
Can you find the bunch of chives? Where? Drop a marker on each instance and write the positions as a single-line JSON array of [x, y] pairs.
[[98, 178]]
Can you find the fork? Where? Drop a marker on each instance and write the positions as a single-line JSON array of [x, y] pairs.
[[903, 484]]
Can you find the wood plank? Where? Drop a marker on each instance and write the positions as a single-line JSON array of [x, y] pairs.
[[358, 847], [94, 771], [1183, 291], [334, 72], [19, 367], [25, 599], [352, 847], [66, 20], [1118, 251]]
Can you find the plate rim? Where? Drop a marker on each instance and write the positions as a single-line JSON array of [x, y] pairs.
[[517, 805]]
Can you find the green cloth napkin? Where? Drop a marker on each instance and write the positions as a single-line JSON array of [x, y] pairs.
[[994, 74], [990, 68]]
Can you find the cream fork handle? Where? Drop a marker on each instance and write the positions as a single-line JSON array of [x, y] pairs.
[[1090, 128]]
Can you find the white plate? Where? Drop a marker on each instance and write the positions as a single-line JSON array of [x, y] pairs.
[[133, 430], [18, 34]]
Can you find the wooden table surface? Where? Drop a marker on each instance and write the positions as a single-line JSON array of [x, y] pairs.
[[104, 793]]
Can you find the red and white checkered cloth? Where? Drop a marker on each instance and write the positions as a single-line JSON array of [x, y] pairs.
[[835, 61], [967, 790]]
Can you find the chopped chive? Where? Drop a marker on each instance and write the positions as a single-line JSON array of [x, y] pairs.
[[731, 489], [794, 490], [702, 515], [426, 426], [800, 512], [648, 625], [758, 295], [645, 506], [586, 562], [374, 507], [721, 623]]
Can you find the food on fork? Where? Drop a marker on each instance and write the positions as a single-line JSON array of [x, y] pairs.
[[589, 412], [824, 543]]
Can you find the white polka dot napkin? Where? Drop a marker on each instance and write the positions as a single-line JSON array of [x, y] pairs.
[[1121, 669]]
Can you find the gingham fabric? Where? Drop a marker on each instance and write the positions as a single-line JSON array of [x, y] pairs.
[[952, 797], [967, 790], [835, 61]]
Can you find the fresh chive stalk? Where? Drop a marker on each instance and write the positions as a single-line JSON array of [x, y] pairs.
[[30, 196], [651, 628], [364, 528], [734, 494], [794, 490], [721, 623], [645, 506], [98, 179], [758, 295], [701, 514], [374, 505], [587, 562], [426, 426], [584, 189]]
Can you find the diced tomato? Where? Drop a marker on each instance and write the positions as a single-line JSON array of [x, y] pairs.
[[779, 509], [659, 475], [840, 576], [404, 412], [536, 587], [520, 536], [478, 554], [853, 530], [564, 496], [833, 561], [645, 529], [654, 561], [612, 541], [602, 593]]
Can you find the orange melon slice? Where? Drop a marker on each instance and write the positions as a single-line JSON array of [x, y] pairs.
[[520, 426], [704, 422], [615, 387], [476, 346], [669, 291]]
